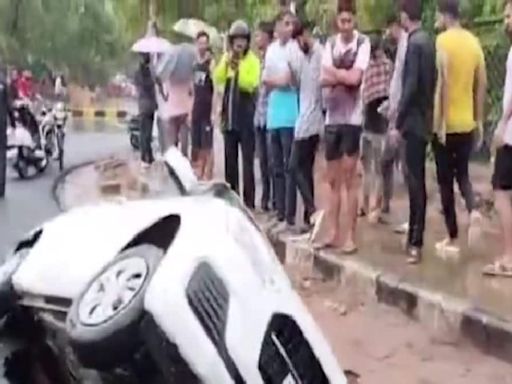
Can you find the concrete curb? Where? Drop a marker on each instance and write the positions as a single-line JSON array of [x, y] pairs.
[[449, 319], [92, 113]]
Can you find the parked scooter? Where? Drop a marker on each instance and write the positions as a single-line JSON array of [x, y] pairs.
[[25, 149]]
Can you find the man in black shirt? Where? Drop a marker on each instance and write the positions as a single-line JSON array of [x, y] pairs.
[[3, 129], [147, 106], [414, 120]]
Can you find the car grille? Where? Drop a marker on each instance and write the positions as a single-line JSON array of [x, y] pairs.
[[286, 356], [208, 298]]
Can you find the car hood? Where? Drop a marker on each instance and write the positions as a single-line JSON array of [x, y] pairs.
[[75, 246]]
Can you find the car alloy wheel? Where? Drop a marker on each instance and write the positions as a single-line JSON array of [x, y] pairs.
[[113, 291]]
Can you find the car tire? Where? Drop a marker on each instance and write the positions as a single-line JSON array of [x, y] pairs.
[[104, 341]]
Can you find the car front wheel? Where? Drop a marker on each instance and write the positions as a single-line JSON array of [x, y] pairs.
[[103, 322]]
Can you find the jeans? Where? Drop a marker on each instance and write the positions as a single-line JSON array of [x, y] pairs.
[[393, 154], [415, 153], [302, 161], [146, 136], [263, 147], [244, 137], [284, 184], [452, 163]]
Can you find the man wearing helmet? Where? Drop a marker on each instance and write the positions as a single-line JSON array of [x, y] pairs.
[[238, 73]]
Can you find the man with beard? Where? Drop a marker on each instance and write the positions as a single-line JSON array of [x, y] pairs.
[[310, 121], [502, 178], [202, 127], [263, 38], [238, 73], [345, 59], [459, 115], [414, 119]]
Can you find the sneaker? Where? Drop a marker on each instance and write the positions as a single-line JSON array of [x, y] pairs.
[[447, 248], [402, 229], [414, 255]]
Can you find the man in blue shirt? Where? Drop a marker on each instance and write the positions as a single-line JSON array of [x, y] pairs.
[[282, 113]]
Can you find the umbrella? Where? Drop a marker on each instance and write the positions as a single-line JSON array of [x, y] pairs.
[[191, 27], [177, 64], [152, 44]]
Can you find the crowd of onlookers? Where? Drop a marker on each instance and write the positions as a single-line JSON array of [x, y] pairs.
[[278, 92]]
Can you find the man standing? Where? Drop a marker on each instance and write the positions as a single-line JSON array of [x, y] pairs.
[[202, 127], [395, 150], [414, 119], [238, 73], [4, 107], [346, 56], [375, 93], [310, 121], [283, 109], [502, 178], [264, 36], [460, 101], [147, 107]]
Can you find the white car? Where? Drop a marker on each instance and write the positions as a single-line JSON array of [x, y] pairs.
[[185, 289]]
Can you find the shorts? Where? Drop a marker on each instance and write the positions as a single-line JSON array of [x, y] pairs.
[[202, 134], [502, 177], [342, 140]]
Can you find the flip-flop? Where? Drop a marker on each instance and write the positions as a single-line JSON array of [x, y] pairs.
[[350, 251], [498, 269]]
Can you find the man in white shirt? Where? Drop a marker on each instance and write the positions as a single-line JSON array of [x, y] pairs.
[[502, 178]]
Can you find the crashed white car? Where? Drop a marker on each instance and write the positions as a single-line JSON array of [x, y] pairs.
[[185, 289]]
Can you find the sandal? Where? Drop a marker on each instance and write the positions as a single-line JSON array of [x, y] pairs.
[[349, 249], [498, 269]]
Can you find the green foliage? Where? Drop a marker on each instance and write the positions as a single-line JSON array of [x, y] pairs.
[[79, 36]]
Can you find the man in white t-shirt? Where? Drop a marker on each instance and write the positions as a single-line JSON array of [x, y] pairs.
[[345, 59], [502, 178]]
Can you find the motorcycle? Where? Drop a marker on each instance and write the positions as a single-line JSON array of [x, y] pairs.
[[24, 141], [53, 132]]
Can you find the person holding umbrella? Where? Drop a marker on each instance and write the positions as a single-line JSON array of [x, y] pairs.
[[238, 73], [147, 106], [4, 107]]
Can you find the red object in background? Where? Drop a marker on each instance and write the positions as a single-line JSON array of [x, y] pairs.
[[25, 86]]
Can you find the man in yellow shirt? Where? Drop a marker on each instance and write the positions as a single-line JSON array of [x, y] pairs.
[[459, 112]]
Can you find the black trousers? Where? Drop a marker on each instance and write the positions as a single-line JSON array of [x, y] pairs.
[[146, 136], [452, 163], [302, 162], [415, 153], [233, 139], [284, 182], [265, 160]]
